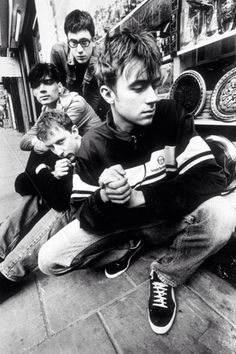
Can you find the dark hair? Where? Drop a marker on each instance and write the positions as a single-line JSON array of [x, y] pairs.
[[121, 49], [79, 20], [52, 119], [40, 70]]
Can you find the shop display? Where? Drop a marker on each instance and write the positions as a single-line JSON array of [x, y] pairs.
[[202, 19], [166, 78], [206, 112], [223, 99], [189, 90]]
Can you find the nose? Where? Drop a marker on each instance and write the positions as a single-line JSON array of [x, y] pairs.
[[58, 150], [151, 95], [80, 49], [42, 87]]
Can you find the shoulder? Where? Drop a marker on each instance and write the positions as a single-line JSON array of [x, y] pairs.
[[71, 97], [94, 138]]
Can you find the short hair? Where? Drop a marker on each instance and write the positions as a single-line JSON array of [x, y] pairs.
[[79, 20], [40, 70], [121, 49], [50, 120]]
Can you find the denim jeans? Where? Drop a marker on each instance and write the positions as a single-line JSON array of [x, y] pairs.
[[23, 233], [189, 242], [26, 214]]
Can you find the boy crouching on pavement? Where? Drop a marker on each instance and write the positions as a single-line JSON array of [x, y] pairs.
[[145, 174]]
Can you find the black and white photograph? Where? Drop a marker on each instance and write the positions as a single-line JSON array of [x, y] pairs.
[[118, 176]]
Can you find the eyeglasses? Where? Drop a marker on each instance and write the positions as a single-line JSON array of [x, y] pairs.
[[84, 42]]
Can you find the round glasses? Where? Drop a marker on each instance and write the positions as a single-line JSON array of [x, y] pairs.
[[84, 42]]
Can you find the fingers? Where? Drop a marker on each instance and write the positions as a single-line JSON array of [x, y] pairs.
[[118, 192], [111, 174], [62, 167]]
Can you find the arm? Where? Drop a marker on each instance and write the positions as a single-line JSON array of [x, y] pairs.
[[30, 141], [55, 190]]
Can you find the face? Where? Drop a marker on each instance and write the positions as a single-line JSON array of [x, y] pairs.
[[63, 143], [47, 93], [134, 98], [79, 40]]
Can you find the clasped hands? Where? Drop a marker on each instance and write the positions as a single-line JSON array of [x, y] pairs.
[[115, 188]]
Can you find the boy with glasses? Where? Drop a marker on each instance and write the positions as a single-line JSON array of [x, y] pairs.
[[76, 59]]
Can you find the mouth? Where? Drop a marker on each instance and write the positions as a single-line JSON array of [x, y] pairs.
[[44, 97], [81, 58], [149, 113]]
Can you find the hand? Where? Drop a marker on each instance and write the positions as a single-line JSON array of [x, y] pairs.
[[62, 168], [111, 174], [117, 192]]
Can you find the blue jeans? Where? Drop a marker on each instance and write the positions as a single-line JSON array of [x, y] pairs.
[[189, 242], [24, 232]]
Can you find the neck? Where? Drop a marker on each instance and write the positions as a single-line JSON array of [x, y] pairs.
[[121, 124]]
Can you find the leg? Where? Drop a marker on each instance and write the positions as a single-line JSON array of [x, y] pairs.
[[73, 248], [17, 225], [24, 257], [205, 231]]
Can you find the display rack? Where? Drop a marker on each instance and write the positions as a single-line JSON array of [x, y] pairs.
[[207, 42]]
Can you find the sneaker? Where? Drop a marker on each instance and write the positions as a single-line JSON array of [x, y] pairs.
[[116, 268], [162, 305]]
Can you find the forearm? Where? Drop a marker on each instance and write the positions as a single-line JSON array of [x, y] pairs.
[[179, 196]]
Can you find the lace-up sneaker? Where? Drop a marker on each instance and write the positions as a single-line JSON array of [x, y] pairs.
[[162, 305], [116, 268]]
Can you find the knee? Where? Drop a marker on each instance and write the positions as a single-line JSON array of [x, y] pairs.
[[46, 260], [220, 219]]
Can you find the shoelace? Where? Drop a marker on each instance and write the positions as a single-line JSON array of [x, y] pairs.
[[159, 294]]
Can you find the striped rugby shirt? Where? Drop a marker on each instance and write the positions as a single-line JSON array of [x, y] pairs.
[[168, 161]]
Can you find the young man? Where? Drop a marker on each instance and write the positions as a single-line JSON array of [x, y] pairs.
[[76, 59], [144, 173], [45, 80], [19, 243]]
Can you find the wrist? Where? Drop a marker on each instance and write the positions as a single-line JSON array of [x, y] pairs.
[[137, 199]]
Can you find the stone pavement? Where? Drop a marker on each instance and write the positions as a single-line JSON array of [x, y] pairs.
[[84, 312]]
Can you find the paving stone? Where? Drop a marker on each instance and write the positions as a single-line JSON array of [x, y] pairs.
[[195, 324], [78, 294], [84, 337], [216, 292], [22, 325]]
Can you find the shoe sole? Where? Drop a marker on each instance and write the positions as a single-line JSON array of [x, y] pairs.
[[164, 329], [112, 276]]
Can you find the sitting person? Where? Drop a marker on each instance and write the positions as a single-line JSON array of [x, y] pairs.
[[144, 173], [20, 240], [45, 81]]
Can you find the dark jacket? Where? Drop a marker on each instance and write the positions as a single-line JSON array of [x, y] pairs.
[[168, 161], [62, 58], [54, 192]]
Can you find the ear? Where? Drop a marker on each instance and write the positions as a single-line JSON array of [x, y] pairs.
[[75, 131], [107, 94], [60, 87]]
